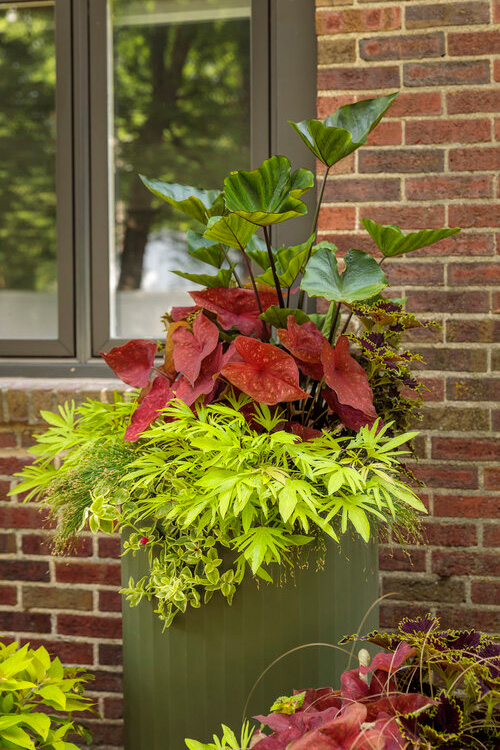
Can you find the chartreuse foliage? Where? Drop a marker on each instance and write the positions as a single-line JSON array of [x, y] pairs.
[[212, 497], [29, 682], [228, 740]]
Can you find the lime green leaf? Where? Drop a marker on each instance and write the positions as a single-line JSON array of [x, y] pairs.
[[18, 736], [361, 279], [257, 251], [360, 522], [344, 131], [231, 230], [269, 194], [289, 263], [392, 241], [198, 204], [278, 316], [203, 249], [222, 278], [53, 694]]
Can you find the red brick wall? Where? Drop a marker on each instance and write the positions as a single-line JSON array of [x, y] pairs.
[[70, 605], [433, 162]]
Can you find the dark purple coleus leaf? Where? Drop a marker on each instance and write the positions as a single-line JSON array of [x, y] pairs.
[[191, 347], [147, 411], [133, 361], [418, 625], [236, 308]]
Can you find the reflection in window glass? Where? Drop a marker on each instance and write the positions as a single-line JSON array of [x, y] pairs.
[[182, 114], [28, 258]]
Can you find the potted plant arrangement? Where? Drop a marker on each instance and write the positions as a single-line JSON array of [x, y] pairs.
[[267, 437], [434, 689]]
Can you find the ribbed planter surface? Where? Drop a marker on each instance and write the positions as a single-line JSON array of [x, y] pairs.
[[188, 680]]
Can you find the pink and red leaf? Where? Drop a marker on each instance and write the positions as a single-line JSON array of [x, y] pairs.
[[133, 361]]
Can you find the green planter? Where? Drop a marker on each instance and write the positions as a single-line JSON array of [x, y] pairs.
[[197, 674]]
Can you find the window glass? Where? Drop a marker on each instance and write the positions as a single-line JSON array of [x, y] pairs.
[[28, 256], [181, 78]]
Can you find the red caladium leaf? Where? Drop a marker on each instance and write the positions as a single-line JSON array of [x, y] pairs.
[[391, 662], [267, 374], [132, 362], [147, 411], [181, 313], [342, 733], [321, 698], [400, 704], [289, 727], [354, 419], [191, 348], [206, 382], [347, 378], [304, 341], [168, 366], [236, 308], [304, 433]]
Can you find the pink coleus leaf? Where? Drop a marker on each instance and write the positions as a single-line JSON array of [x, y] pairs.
[[391, 662], [344, 732], [191, 348], [352, 418], [346, 377], [354, 688], [236, 308], [147, 411], [304, 340], [132, 362], [267, 374], [288, 727]]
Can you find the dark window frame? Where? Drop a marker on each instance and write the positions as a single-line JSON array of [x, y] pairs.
[[283, 87]]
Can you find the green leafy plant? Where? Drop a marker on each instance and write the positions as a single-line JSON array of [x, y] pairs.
[[32, 688]]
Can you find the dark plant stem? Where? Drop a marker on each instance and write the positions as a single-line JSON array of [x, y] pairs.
[[288, 296], [273, 268], [236, 277], [344, 329], [384, 258], [252, 278], [313, 230], [334, 324], [315, 393]]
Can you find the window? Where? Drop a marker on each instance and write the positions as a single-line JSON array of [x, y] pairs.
[[93, 92]]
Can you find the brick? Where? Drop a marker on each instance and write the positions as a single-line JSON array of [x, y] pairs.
[[495, 420], [457, 562], [417, 104], [107, 682], [446, 73], [41, 544], [471, 389], [402, 47], [447, 131], [464, 102], [474, 159], [451, 419], [13, 464], [69, 652], [425, 589], [391, 613], [445, 534], [109, 546], [474, 273], [466, 617], [401, 161], [90, 626], [24, 570], [495, 359], [405, 272], [461, 449], [496, 70], [110, 601], [4, 489], [468, 360], [41, 400], [327, 105], [408, 217], [24, 622], [492, 478], [485, 592], [8, 596], [358, 78], [340, 217], [360, 190], [399, 559], [105, 733], [449, 14], [418, 335], [443, 301], [475, 215], [466, 506], [7, 544], [474, 43], [17, 402], [491, 535], [433, 188], [387, 133], [110, 654], [22, 516], [481, 331], [345, 21], [465, 243], [8, 439], [332, 51], [113, 708], [54, 597], [434, 389], [496, 11], [83, 572]]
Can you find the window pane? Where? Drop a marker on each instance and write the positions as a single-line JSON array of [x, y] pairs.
[[182, 114], [28, 257]]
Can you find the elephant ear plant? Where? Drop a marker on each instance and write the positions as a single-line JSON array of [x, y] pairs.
[[265, 427]]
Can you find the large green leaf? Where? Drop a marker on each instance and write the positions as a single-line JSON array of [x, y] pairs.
[[269, 194], [198, 204], [278, 316], [231, 230], [203, 249], [257, 251], [222, 278], [289, 262], [344, 131], [392, 241], [361, 279]]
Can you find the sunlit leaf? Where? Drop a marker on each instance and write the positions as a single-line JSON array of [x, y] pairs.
[[362, 278], [392, 241], [195, 203], [231, 230], [203, 249], [222, 278]]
